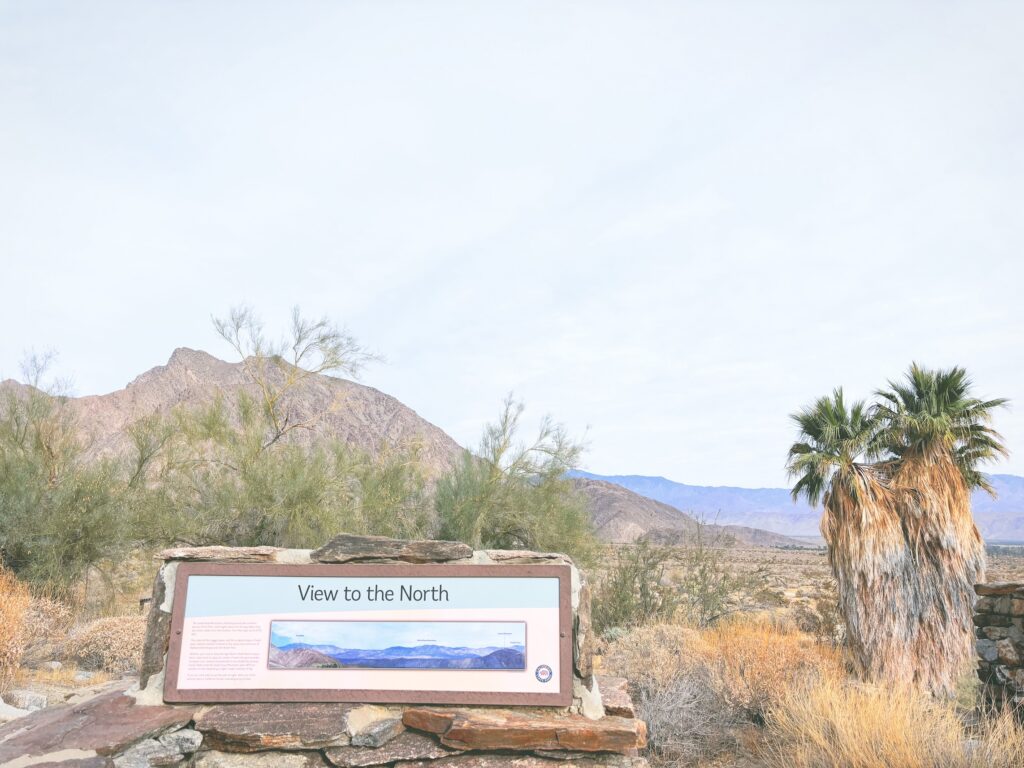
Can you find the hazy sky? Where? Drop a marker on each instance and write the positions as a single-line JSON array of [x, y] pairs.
[[668, 225]]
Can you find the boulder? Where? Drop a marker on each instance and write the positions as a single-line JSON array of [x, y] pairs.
[[379, 733], [615, 695], [987, 650], [158, 633], [150, 753], [359, 718], [583, 643], [104, 725], [1000, 588], [505, 729], [1007, 652], [284, 725], [409, 745], [71, 759], [526, 761], [215, 759], [22, 699], [348, 548], [8, 713]]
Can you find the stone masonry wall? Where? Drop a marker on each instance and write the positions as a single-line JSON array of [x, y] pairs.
[[999, 627], [134, 728]]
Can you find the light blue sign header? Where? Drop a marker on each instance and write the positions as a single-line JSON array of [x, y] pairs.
[[242, 595]]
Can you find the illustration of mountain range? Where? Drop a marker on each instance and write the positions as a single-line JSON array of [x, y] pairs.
[[307, 656]]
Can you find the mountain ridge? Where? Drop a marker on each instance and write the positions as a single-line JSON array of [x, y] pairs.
[[772, 509], [362, 417]]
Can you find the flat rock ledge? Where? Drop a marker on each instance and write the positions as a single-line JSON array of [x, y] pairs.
[[104, 726], [1000, 588], [225, 554], [349, 548], [259, 727], [488, 729], [111, 730]]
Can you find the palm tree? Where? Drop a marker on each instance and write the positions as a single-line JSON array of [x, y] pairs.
[[932, 415], [861, 526], [933, 435], [895, 481]]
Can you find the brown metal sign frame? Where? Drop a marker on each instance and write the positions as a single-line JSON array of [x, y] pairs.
[[558, 698]]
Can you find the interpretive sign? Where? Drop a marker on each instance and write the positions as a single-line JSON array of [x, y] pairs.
[[442, 634]]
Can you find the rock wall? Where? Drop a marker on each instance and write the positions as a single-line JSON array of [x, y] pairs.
[[133, 728], [999, 627]]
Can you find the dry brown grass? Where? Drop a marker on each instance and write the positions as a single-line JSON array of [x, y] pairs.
[[62, 678], [14, 602], [756, 690], [695, 687], [756, 661], [836, 724], [112, 644]]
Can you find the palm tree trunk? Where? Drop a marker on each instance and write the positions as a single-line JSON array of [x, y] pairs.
[[949, 559]]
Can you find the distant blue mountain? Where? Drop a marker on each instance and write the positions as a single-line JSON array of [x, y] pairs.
[[1000, 519]]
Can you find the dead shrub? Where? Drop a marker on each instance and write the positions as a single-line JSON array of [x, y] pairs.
[[686, 719], [14, 601], [652, 655], [46, 625], [112, 644], [835, 724]]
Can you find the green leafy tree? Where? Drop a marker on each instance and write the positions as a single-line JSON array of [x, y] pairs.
[[245, 470], [59, 517], [510, 495]]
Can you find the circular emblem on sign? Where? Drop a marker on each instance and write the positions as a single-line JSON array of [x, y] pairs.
[[543, 673]]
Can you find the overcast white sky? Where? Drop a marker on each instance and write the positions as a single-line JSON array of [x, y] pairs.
[[670, 223]]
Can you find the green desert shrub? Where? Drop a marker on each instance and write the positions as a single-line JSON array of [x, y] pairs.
[[510, 495], [58, 515], [635, 590]]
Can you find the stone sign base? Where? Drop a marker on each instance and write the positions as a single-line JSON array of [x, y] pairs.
[[113, 730], [999, 627], [134, 728]]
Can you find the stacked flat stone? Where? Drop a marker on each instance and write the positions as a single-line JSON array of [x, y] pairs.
[[134, 729], [999, 627]]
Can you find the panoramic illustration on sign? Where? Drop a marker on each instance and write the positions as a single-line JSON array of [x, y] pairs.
[[439, 634], [397, 645]]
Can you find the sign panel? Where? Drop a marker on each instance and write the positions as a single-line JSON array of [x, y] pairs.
[[441, 634]]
